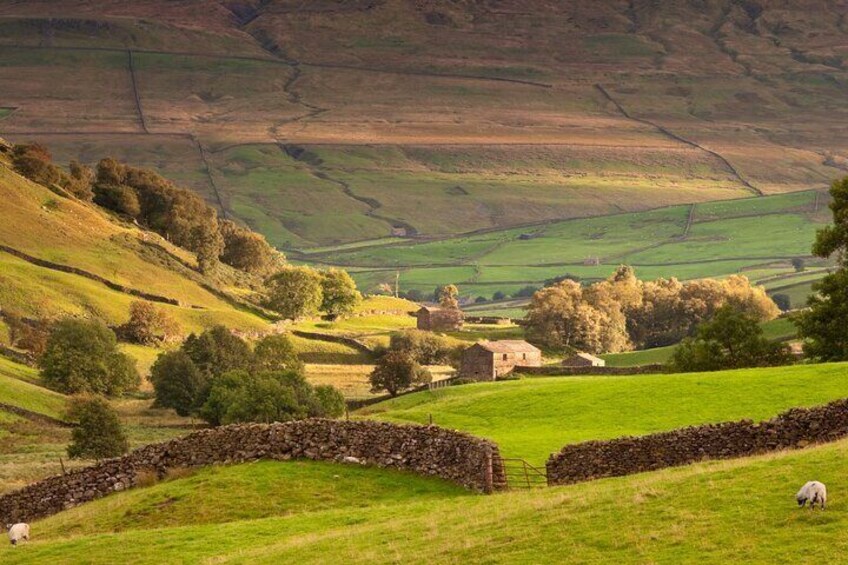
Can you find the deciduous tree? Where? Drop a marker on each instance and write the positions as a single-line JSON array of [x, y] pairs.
[[397, 371], [294, 292], [732, 339], [178, 383], [149, 324], [99, 434], [247, 250], [83, 357], [339, 294], [823, 324], [448, 296]]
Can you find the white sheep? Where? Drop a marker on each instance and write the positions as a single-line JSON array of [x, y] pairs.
[[18, 532], [812, 492]]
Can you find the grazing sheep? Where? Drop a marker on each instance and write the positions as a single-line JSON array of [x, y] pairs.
[[18, 532], [812, 492]]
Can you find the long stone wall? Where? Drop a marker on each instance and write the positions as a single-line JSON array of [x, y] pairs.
[[792, 429], [426, 450], [560, 371]]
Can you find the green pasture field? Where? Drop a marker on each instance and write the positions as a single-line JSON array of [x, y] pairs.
[[725, 238], [711, 512], [554, 411]]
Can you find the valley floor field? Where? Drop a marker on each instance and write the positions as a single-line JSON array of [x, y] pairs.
[[704, 240]]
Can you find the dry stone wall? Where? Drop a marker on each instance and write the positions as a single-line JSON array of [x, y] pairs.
[[560, 371], [426, 450], [792, 429]]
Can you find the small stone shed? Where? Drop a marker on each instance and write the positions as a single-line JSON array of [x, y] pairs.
[[436, 319], [488, 360], [583, 360]]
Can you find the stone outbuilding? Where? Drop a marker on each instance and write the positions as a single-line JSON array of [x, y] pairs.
[[488, 360], [436, 319], [583, 360]]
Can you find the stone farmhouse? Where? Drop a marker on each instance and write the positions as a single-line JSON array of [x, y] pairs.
[[583, 360], [488, 360], [436, 319]]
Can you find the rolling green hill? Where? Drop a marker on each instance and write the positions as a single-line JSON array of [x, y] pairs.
[[534, 417], [703, 513]]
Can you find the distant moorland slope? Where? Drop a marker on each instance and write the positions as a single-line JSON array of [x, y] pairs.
[[325, 123]]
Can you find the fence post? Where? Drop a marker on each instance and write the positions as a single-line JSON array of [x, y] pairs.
[[488, 482]]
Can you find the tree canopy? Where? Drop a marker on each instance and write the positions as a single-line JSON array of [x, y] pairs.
[[823, 323], [99, 434], [397, 371], [730, 340], [83, 357], [149, 324], [295, 292], [217, 376], [622, 312], [339, 294]]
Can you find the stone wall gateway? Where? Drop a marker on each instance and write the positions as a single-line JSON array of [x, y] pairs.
[[426, 450], [795, 428]]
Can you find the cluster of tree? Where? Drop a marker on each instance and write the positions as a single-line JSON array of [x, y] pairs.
[[98, 433], [82, 356], [216, 375], [248, 251], [403, 365], [622, 312], [149, 325], [730, 340], [295, 292], [824, 323], [179, 215], [35, 162]]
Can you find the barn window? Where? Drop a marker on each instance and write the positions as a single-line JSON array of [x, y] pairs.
[[504, 356], [524, 356]]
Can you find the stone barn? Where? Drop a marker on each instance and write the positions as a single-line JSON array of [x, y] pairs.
[[488, 360], [583, 360], [436, 319]]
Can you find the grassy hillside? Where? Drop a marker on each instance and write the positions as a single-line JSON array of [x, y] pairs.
[[534, 417], [17, 389], [223, 494], [31, 449], [717, 512], [67, 232]]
